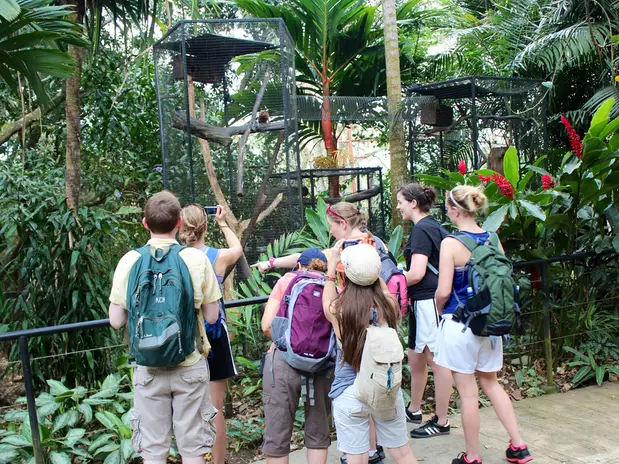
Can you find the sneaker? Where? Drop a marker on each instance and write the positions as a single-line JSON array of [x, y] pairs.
[[519, 455], [462, 459], [431, 429], [376, 459], [413, 418]]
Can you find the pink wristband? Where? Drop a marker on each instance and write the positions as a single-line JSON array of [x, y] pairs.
[[271, 263]]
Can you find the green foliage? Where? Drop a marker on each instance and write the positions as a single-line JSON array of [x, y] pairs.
[[590, 367], [530, 382], [75, 424], [34, 35], [245, 433]]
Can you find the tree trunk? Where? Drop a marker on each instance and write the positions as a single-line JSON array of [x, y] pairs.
[[328, 136], [394, 98], [73, 150]]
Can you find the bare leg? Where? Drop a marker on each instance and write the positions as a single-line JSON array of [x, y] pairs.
[[218, 393], [372, 434], [317, 456], [442, 388], [501, 404], [199, 460], [358, 458], [274, 460], [469, 406], [403, 455], [419, 377]]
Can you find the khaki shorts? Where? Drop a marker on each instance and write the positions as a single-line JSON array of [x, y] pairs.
[[178, 397], [280, 407]]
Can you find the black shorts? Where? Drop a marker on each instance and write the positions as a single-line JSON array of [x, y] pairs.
[[220, 359], [412, 326]]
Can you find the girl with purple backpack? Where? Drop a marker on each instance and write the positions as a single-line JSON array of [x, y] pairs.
[[291, 307], [220, 359]]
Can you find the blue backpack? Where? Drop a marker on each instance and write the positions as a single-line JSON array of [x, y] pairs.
[[160, 308]]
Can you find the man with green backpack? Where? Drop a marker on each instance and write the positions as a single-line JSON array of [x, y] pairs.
[[164, 292]]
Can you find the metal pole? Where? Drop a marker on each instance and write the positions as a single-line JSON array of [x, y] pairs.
[[369, 203], [382, 201], [312, 188], [547, 339], [474, 123], [32, 409]]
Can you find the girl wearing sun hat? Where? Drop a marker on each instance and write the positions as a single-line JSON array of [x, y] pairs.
[[364, 301]]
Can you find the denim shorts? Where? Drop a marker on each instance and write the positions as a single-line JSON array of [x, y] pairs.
[[352, 423]]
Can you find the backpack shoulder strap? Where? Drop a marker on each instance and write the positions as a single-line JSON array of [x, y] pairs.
[[465, 240], [493, 239], [212, 254]]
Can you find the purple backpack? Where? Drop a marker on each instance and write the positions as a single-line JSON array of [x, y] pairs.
[[300, 330]]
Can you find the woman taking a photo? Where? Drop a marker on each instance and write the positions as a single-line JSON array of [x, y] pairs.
[[362, 302], [422, 254], [458, 349], [220, 360]]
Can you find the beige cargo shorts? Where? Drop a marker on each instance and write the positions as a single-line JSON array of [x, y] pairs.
[[176, 397]]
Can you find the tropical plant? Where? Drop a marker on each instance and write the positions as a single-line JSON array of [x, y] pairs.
[[70, 421], [590, 367], [34, 36], [530, 382]]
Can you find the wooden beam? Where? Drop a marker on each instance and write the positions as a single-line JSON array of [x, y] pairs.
[[217, 134], [354, 197]]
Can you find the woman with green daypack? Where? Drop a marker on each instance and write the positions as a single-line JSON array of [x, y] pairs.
[[457, 347]]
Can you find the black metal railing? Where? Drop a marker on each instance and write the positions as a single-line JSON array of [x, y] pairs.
[[23, 335]]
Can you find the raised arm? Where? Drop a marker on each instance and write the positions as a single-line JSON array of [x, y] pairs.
[[227, 256], [282, 262]]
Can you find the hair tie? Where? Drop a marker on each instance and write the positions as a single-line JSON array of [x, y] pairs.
[[451, 197]]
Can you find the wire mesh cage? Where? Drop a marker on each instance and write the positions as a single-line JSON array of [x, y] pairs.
[[227, 93], [475, 119]]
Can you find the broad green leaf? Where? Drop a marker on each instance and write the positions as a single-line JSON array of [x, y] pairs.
[[97, 401], [82, 453], [74, 257], [435, 181], [126, 449], [109, 448], [73, 436], [128, 210], [64, 420], [113, 458], [395, 241], [593, 147], [315, 223], [616, 243], [511, 166], [537, 169], [108, 419], [600, 117], [9, 456], [56, 387], [599, 374], [584, 374], [533, 209], [610, 128], [20, 441], [572, 164], [495, 219], [99, 442]]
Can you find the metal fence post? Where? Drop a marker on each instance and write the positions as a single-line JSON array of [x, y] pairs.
[[547, 337], [32, 409]]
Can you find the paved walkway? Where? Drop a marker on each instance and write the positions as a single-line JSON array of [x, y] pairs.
[[577, 427]]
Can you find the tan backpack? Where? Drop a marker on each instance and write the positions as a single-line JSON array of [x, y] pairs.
[[380, 375]]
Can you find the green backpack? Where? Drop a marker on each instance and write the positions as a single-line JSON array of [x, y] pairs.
[[491, 308], [160, 307]]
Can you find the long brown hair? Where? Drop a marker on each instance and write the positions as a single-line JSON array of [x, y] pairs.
[[353, 309]]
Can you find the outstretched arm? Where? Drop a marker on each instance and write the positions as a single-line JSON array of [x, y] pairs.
[[288, 262]]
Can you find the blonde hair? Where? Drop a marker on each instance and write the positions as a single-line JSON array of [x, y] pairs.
[[468, 199], [353, 215], [194, 224]]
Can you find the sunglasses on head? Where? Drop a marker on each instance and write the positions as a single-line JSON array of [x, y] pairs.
[[332, 212]]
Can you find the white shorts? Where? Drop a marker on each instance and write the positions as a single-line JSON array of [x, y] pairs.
[[464, 352], [425, 326], [352, 424]]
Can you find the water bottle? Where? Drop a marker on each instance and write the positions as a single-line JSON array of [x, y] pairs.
[[469, 292]]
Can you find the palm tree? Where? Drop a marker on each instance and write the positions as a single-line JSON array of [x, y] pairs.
[[34, 35], [394, 92]]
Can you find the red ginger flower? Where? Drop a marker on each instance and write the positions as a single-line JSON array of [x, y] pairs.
[[462, 167], [574, 138], [548, 182], [505, 187], [484, 178]]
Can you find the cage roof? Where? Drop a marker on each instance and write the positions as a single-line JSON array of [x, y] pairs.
[[482, 86], [216, 50]]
